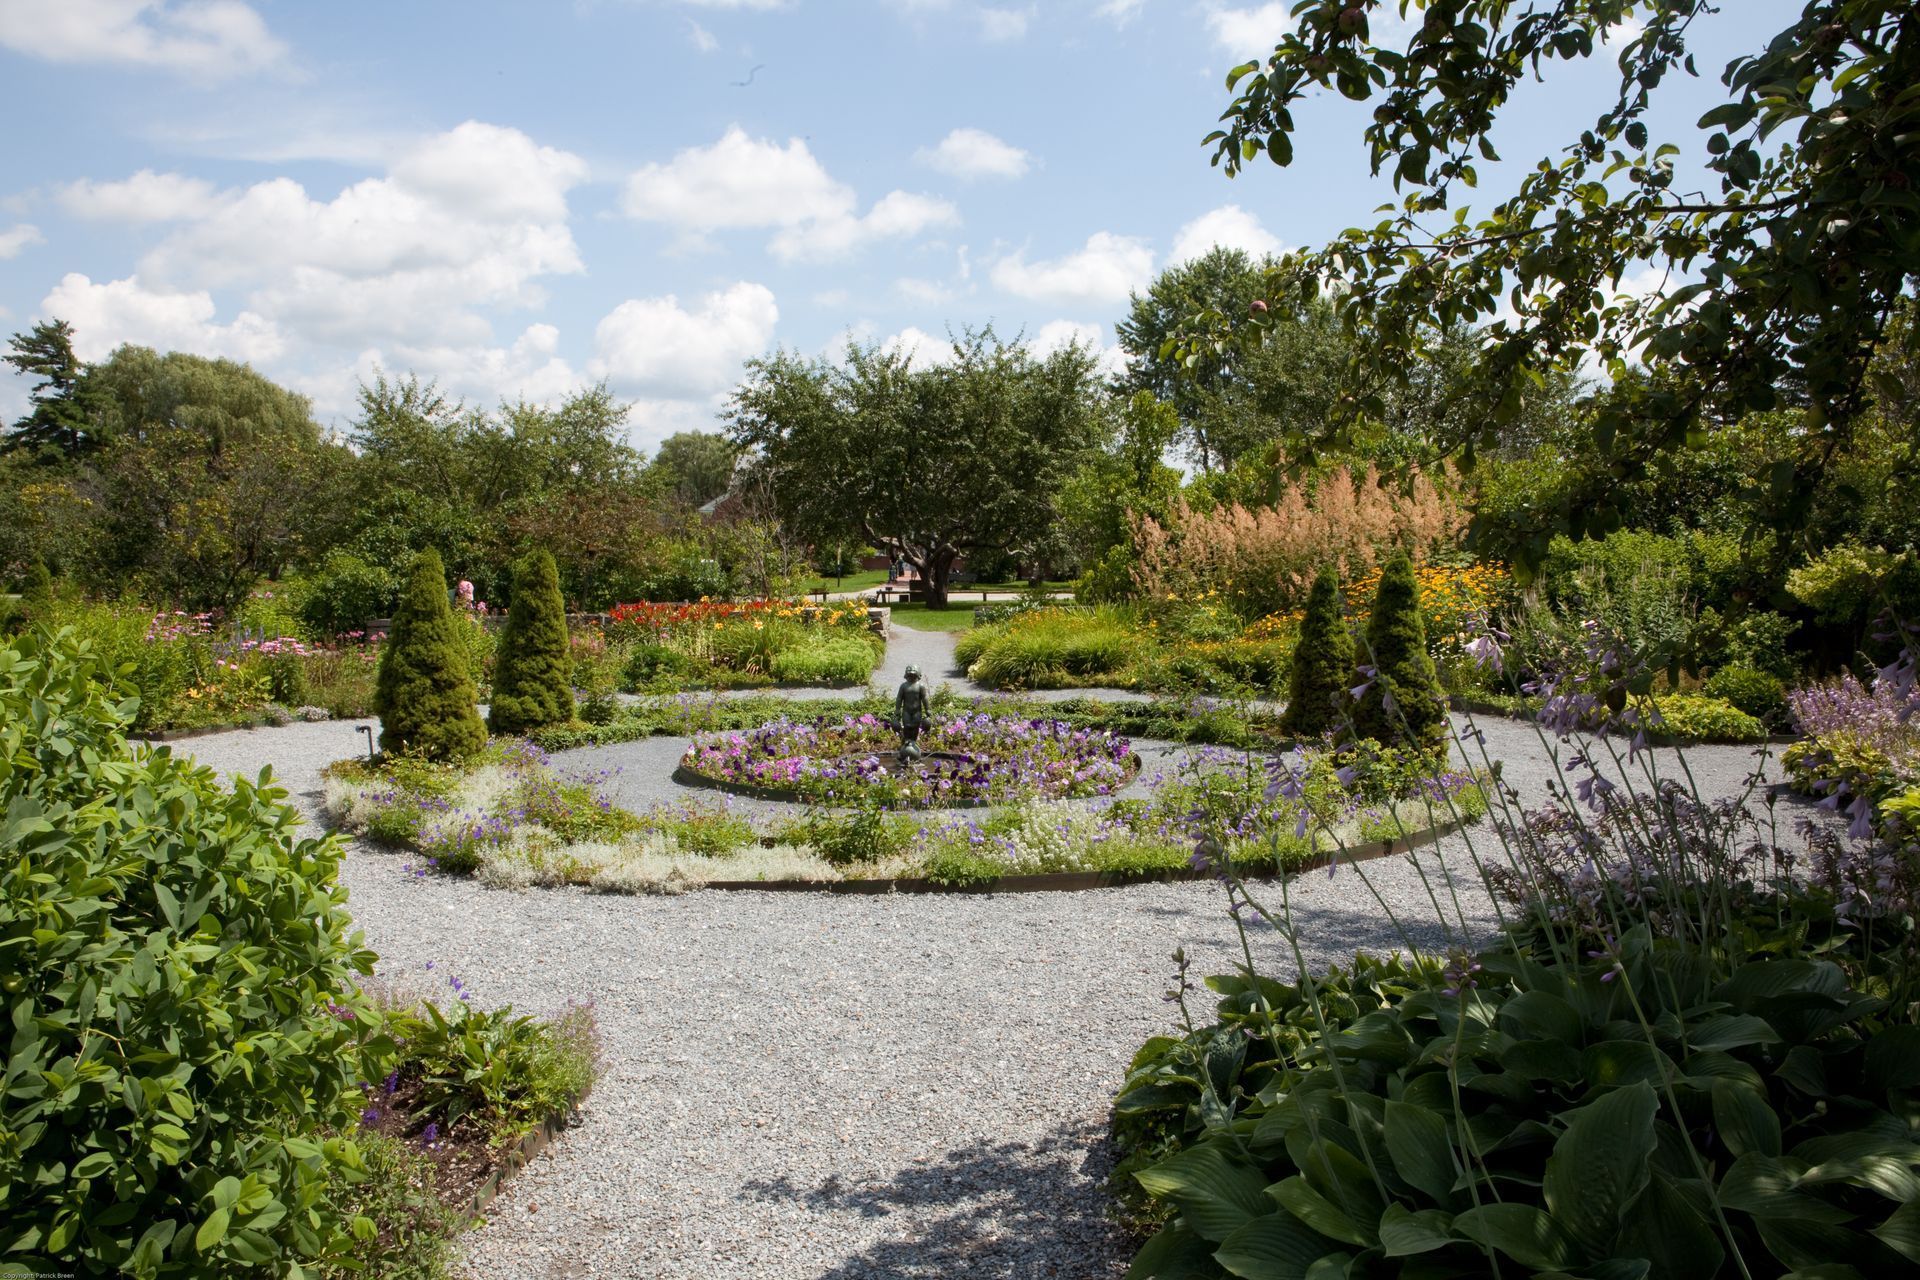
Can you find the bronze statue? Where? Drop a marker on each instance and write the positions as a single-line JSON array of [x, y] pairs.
[[910, 714]]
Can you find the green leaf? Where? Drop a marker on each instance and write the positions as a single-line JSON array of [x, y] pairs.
[[1731, 1031], [1418, 1146], [91, 1166], [1246, 68], [1745, 1122], [212, 1231], [1522, 1232], [1298, 1197], [1672, 1231], [1901, 1231], [1767, 1188], [1276, 1247], [1600, 1166], [1404, 1232], [1175, 1253], [1216, 1193], [1541, 1015]]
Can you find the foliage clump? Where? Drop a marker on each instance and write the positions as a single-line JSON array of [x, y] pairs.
[[1322, 661], [532, 683], [186, 1031], [1402, 700], [424, 694]]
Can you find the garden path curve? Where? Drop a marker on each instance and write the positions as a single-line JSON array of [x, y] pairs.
[[811, 1085]]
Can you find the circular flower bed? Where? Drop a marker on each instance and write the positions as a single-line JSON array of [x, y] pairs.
[[969, 760]]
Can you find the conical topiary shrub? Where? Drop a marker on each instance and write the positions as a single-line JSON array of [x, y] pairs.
[[532, 677], [423, 695], [1322, 663], [1403, 704]]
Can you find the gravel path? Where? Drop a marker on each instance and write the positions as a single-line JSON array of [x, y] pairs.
[[804, 1085]]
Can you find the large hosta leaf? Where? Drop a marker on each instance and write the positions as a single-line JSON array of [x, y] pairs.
[[1276, 1247], [1600, 1166], [1175, 1254], [1522, 1232], [1747, 1125], [1421, 1153], [1216, 1192], [1404, 1231]]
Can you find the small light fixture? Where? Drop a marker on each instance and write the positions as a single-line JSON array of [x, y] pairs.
[[368, 730]]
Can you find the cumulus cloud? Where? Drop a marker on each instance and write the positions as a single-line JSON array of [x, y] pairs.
[[656, 347], [975, 153], [742, 182], [1004, 24], [921, 349], [18, 237], [1249, 32], [1057, 335], [737, 182], [145, 197], [472, 217], [114, 312], [898, 215], [702, 38], [1229, 227], [211, 38], [1120, 12], [1103, 273]]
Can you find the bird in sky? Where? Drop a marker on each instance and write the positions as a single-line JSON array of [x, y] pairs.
[[741, 84]]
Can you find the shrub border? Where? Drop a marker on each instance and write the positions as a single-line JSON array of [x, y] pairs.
[[1062, 881]]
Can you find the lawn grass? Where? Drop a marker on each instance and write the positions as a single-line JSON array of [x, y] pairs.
[[852, 582], [915, 614]]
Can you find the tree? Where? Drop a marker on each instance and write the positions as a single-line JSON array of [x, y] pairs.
[[695, 466], [1107, 495], [1402, 700], [422, 693], [61, 422], [1322, 662], [1778, 285], [532, 682], [963, 457], [213, 477]]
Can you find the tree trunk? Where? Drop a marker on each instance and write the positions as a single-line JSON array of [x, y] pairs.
[[935, 567]]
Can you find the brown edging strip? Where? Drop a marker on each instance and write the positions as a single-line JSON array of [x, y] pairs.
[[1059, 881], [537, 1140]]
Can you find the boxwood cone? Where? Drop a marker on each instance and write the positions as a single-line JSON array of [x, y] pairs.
[[1397, 652], [533, 679], [1322, 662], [423, 695]]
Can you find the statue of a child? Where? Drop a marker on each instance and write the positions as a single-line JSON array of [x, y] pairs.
[[910, 713]]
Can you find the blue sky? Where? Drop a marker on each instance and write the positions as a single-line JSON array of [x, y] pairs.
[[517, 199]]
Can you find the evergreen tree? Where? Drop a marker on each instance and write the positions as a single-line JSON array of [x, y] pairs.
[[1322, 662], [61, 420], [423, 694], [532, 681], [1402, 669]]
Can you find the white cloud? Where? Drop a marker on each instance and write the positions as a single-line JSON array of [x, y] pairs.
[[1120, 12], [702, 38], [654, 346], [106, 315], [736, 182], [1229, 227], [472, 217], [1105, 272], [1057, 335], [741, 182], [212, 38], [530, 369], [898, 215], [1004, 24], [920, 348], [145, 197], [975, 153], [1247, 33], [926, 292], [18, 237]]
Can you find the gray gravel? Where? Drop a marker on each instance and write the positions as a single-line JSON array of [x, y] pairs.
[[802, 1085]]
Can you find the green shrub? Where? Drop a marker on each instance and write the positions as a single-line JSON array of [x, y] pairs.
[[1397, 651], [1529, 1112], [1692, 717], [532, 681], [394, 1188], [1323, 670], [651, 663], [503, 1071], [345, 593], [825, 660], [1758, 693], [866, 835], [424, 693], [1840, 762], [156, 922], [1051, 647]]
